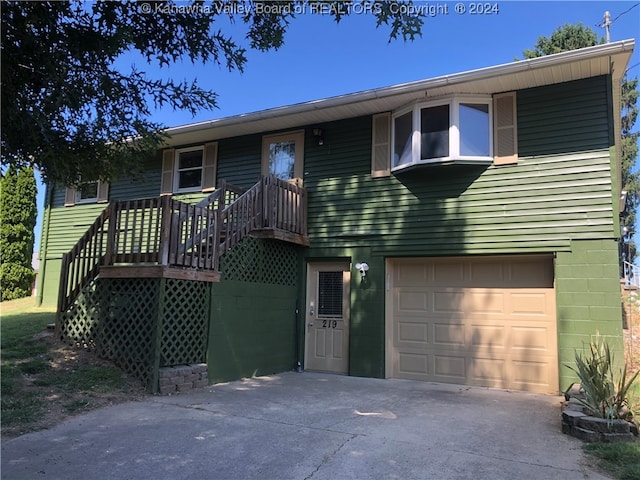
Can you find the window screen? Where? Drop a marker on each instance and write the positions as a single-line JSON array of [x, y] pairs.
[[330, 294]]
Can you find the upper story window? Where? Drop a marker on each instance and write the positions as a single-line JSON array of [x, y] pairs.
[[453, 130], [188, 170], [86, 192], [283, 155]]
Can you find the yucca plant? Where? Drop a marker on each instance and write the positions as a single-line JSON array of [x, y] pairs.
[[604, 395]]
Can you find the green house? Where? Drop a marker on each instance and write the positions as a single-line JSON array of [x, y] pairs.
[[460, 229]]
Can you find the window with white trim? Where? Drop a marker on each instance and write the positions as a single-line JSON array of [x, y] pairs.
[[188, 169], [452, 130], [87, 192]]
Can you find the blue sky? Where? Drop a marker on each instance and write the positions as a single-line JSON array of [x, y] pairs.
[[321, 59]]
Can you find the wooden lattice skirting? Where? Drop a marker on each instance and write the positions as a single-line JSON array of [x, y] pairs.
[[141, 324]]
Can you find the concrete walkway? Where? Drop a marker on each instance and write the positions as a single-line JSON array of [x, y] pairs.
[[309, 426]]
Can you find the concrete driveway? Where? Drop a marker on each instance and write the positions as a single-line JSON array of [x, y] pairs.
[[309, 426]]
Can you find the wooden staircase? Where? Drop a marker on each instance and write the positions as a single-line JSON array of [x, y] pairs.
[[164, 237]]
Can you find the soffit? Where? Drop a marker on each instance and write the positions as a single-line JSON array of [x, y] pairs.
[[563, 67]]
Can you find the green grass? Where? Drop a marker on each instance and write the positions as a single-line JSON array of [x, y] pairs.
[[37, 374], [86, 378], [19, 322], [22, 354], [621, 460], [21, 408]]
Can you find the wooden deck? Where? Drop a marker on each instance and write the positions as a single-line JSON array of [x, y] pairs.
[[166, 238], [158, 271]]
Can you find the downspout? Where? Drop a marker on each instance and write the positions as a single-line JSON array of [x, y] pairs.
[[44, 244]]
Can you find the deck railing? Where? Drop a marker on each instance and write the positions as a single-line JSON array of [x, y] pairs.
[[284, 206], [170, 233], [271, 204]]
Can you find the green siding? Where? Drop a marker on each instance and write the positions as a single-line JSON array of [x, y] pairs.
[[50, 282], [65, 226], [540, 204], [367, 333], [239, 160], [251, 337], [68, 224], [588, 300], [129, 189], [569, 117]]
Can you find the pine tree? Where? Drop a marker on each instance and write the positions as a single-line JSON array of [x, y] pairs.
[[17, 220]]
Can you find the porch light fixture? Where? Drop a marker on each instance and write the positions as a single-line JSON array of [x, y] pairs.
[[363, 268], [318, 134]]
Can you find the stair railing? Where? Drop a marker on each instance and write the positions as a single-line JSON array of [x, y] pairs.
[[167, 232], [81, 264]]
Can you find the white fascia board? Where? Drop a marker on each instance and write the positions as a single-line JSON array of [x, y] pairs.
[[521, 67]]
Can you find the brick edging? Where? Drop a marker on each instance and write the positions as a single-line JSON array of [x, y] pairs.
[[182, 378], [594, 429]]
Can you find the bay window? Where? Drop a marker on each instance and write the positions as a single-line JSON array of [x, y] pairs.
[[453, 130]]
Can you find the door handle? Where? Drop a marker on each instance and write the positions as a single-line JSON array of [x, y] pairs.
[[310, 324]]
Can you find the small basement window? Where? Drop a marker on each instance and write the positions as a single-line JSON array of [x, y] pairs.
[[452, 130]]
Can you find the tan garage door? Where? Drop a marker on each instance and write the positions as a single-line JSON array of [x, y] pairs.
[[485, 321]]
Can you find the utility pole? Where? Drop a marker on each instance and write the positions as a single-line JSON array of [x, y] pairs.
[[607, 24]]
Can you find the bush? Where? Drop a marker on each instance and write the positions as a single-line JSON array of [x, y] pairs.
[[604, 395]]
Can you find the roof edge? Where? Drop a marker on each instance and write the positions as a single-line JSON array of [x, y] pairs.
[[608, 49]]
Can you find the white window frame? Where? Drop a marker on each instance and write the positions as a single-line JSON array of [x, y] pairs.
[[454, 131], [72, 194], [177, 170], [79, 200]]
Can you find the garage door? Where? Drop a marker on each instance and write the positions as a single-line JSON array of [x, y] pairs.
[[484, 321]]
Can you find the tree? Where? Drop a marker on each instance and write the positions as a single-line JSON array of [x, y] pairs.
[[17, 221], [66, 109], [628, 156], [570, 37], [565, 38]]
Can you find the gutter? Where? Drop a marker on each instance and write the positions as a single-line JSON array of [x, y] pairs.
[[520, 66]]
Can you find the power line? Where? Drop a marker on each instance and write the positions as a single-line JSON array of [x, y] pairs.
[[632, 66], [625, 12], [608, 22]]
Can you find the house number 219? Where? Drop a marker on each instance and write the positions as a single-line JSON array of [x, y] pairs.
[[329, 323]]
